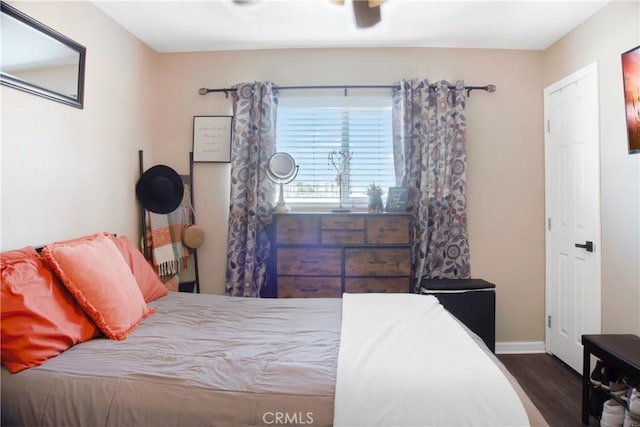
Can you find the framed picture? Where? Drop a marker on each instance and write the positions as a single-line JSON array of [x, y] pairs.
[[397, 198], [631, 83], [212, 139]]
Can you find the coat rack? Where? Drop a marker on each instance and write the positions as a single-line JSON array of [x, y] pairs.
[[192, 285]]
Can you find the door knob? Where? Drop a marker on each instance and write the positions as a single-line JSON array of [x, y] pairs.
[[587, 245]]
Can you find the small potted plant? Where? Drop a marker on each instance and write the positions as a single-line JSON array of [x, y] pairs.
[[375, 198]]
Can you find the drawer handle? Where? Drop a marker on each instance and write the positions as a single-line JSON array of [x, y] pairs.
[[377, 262], [309, 289], [302, 261]]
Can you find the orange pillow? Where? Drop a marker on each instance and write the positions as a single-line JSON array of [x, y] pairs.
[[148, 281], [39, 318], [99, 278]]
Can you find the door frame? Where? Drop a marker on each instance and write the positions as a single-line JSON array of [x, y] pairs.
[[591, 69]]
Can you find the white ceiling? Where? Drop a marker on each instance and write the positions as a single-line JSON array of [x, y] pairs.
[[184, 26]]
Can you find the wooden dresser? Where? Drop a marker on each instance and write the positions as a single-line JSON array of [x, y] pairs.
[[325, 254]]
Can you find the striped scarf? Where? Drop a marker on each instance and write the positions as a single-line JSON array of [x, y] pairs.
[[164, 239]]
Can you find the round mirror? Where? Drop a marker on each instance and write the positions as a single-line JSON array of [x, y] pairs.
[[281, 169], [281, 166]]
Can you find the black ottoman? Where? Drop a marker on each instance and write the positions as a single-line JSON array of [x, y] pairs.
[[472, 301]]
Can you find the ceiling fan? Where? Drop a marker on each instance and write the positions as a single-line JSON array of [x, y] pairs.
[[366, 12]]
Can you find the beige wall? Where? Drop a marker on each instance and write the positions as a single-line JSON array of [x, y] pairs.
[[505, 161], [603, 38], [68, 172]]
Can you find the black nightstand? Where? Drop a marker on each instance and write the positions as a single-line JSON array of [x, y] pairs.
[[187, 286], [472, 301]]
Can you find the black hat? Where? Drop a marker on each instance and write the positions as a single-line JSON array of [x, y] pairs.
[[160, 189]]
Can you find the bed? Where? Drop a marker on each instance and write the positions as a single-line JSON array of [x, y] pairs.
[[223, 361]]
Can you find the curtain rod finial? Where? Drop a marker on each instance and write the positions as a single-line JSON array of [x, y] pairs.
[[203, 91], [491, 88]]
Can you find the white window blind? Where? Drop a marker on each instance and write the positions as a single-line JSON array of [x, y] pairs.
[[310, 128]]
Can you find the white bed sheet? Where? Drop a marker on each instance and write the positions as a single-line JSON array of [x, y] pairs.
[[405, 361]]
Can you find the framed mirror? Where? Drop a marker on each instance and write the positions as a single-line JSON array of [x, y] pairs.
[[39, 60]]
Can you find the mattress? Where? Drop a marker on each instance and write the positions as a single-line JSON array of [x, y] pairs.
[[200, 360]]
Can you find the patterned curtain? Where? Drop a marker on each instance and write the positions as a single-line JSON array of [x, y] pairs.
[[252, 193], [430, 158]]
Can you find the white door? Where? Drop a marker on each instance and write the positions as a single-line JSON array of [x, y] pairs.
[[572, 196]]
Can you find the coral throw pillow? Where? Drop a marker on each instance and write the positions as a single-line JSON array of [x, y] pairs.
[[148, 281], [98, 277], [39, 318]]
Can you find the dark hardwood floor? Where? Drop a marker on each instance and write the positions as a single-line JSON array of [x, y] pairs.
[[554, 387]]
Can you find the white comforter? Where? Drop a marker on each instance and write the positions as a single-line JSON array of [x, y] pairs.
[[404, 361]]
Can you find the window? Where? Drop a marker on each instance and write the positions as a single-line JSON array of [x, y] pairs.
[[310, 128]]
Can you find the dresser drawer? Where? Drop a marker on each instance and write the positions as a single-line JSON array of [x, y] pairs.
[[377, 262], [343, 230], [292, 229], [309, 287], [392, 229], [378, 285], [343, 222], [342, 237], [309, 261]]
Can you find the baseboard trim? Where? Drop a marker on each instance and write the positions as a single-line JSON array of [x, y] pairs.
[[520, 347]]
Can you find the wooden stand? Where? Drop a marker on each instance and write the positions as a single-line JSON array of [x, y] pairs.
[[192, 285], [621, 352]]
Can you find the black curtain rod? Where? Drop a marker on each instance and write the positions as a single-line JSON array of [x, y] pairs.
[[488, 88]]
